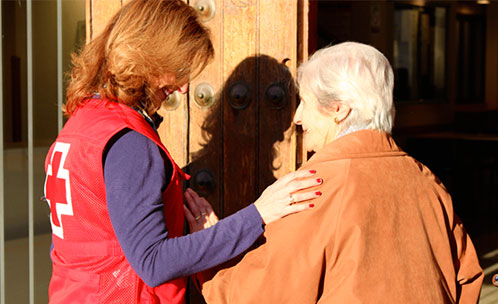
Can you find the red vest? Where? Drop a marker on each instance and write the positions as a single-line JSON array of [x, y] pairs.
[[88, 264]]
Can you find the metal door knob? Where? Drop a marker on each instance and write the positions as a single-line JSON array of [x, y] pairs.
[[204, 95], [277, 96], [172, 101], [206, 9], [239, 95], [204, 182]]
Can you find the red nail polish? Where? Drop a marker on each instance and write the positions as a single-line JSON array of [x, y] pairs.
[[319, 180], [318, 193], [312, 205], [312, 171]]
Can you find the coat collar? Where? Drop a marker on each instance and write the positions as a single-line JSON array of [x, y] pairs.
[[359, 144]]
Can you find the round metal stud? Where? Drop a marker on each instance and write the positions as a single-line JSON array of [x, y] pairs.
[[277, 96], [204, 182], [239, 95], [206, 9], [172, 101], [204, 95]]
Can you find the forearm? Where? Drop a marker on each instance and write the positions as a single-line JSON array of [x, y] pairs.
[[178, 257]]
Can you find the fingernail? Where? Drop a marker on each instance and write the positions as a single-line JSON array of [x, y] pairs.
[[319, 180], [312, 205], [318, 193], [312, 171]]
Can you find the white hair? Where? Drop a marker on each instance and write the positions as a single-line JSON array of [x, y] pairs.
[[355, 74]]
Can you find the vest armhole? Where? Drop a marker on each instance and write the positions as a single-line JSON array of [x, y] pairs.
[[168, 166], [111, 142]]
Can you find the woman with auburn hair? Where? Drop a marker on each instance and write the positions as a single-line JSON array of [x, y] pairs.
[[384, 231], [115, 194]]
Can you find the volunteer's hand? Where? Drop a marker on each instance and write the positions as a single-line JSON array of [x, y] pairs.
[[199, 214], [280, 198]]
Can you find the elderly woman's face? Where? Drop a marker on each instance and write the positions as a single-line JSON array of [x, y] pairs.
[[317, 123]]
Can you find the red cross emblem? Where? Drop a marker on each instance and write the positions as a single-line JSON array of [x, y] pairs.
[[57, 188]]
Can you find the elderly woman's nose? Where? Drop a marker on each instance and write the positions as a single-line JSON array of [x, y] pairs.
[[297, 116], [297, 120]]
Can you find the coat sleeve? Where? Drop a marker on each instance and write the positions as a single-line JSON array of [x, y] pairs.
[[285, 269], [469, 272], [215, 291], [235, 281]]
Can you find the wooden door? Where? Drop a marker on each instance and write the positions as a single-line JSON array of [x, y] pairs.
[[233, 132]]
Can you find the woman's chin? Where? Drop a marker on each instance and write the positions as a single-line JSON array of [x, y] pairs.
[[310, 148]]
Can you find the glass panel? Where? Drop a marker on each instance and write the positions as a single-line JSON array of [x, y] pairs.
[[419, 59], [2, 203], [44, 131], [471, 31], [45, 128], [15, 153]]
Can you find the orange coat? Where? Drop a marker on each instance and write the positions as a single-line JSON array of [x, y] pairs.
[[383, 231]]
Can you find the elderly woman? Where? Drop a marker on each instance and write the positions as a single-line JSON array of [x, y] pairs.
[[384, 231]]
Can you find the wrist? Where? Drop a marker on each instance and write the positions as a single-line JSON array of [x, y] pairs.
[[258, 214]]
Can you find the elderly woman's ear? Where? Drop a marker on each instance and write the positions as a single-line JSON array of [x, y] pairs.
[[339, 111]]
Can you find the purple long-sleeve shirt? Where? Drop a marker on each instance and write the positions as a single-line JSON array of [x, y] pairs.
[[135, 177]]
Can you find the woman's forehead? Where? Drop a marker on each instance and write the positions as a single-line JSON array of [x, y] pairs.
[[306, 93]]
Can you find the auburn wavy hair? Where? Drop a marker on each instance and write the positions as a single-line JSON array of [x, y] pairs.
[[144, 41]]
